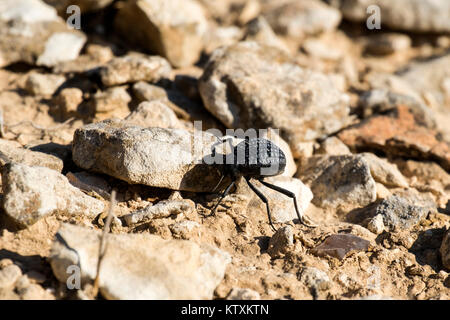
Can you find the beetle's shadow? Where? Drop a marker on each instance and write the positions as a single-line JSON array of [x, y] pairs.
[[445, 210], [203, 176], [263, 243], [206, 173], [426, 248]]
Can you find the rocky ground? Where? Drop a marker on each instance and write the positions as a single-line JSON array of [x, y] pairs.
[[362, 118]]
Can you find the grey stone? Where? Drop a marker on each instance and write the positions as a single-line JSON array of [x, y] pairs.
[[84, 5], [27, 10], [376, 224], [95, 56], [417, 198], [250, 10], [430, 80], [133, 68], [68, 101], [426, 172], [384, 172], [281, 241], [181, 105], [321, 48], [387, 43], [243, 294], [22, 283], [300, 18], [315, 279], [140, 266], [408, 15], [8, 276], [43, 84], [31, 193], [5, 262], [165, 158], [340, 245], [341, 182], [398, 213], [186, 109], [154, 113], [184, 229], [376, 297], [249, 85], [383, 100], [173, 29], [259, 30], [112, 99], [333, 146], [219, 36], [218, 10], [11, 151], [147, 92], [394, 83], [281, 206], [60, 47], [35, 292], [32, 32]]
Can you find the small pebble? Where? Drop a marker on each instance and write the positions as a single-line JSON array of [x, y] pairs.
[[281, 241], [9, 275], [376, 224], [340, 245], [315, 278], [243, 294]]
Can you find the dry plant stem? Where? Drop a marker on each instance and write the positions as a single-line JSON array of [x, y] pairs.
[[35, 126], [2, 131], [103, 243]]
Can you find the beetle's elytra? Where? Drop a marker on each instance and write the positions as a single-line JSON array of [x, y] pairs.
[[255, 158]]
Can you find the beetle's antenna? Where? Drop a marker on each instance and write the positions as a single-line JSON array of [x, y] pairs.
[[220, 181]]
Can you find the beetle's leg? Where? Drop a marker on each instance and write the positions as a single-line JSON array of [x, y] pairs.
[[213, 211], [228, 140], [264, 199], [290, 195]]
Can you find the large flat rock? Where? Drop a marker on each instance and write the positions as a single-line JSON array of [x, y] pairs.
[[158, 157], [31, 193], [140, 266]]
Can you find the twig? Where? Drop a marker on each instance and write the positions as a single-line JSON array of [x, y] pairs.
[[103, 244], [2, 131], [35, 126]]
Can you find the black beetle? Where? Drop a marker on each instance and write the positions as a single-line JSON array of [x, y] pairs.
[[254, 158]]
